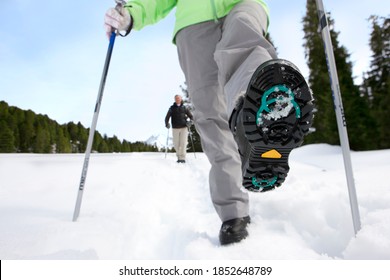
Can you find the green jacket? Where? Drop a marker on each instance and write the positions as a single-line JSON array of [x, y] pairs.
[[188, 12]]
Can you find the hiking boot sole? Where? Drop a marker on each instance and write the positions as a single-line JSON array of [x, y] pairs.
[[277, 113]]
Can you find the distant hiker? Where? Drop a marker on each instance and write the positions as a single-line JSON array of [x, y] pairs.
[[179, 115], [250, 108]]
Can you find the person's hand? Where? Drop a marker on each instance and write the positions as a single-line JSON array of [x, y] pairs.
[[116, 20], [189, 124], [168, 126]]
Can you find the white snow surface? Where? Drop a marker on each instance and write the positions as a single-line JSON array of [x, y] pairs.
[[144, 206]]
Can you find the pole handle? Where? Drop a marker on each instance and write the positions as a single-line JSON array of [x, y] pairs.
[[118, 7], [119, 4]]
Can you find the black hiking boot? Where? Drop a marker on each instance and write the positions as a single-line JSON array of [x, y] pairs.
[[233, 231], [269, 121]]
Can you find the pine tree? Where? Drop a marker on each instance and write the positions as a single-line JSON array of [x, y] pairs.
[[27, 132], [360, 123], [73, 131], [97, 140], [6, 138], [63, 144], [18, 116], [114, 144], [41, 141], [103, 147], [82, 137], [6, 131], [126, 147], [376, 83]]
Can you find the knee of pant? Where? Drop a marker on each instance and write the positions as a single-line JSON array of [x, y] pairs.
[[211, 123], [249, 13]]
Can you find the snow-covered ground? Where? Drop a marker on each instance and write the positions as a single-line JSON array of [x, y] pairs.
[[145, 206]]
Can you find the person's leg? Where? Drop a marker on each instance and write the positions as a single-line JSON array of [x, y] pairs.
[[183, 143], [176, 141], [196, 47], [269, 102], [242, 49]]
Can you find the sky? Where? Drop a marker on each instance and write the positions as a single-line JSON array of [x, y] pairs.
[[52, 56]]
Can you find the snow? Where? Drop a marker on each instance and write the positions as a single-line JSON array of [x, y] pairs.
[[160, 140], [143, 206]]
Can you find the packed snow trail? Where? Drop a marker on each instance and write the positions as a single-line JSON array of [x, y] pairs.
[[143, 206]]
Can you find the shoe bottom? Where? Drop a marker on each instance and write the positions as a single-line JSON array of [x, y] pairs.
[[277, 112]]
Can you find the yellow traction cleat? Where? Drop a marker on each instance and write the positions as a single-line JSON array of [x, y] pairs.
[[271, 154]]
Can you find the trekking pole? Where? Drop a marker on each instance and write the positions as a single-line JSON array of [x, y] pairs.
[[119, 4], [192, 141], [166, 145], [341, 121]]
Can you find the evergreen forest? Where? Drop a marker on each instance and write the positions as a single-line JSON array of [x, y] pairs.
[[23, 131]]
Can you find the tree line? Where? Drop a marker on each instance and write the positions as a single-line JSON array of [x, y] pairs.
[[366, 106], [23, 131]]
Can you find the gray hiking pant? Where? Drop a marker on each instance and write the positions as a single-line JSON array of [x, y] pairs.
[[218, 60]]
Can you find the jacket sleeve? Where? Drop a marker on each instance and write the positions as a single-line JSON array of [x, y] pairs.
[[147, 12], [167, 117]]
